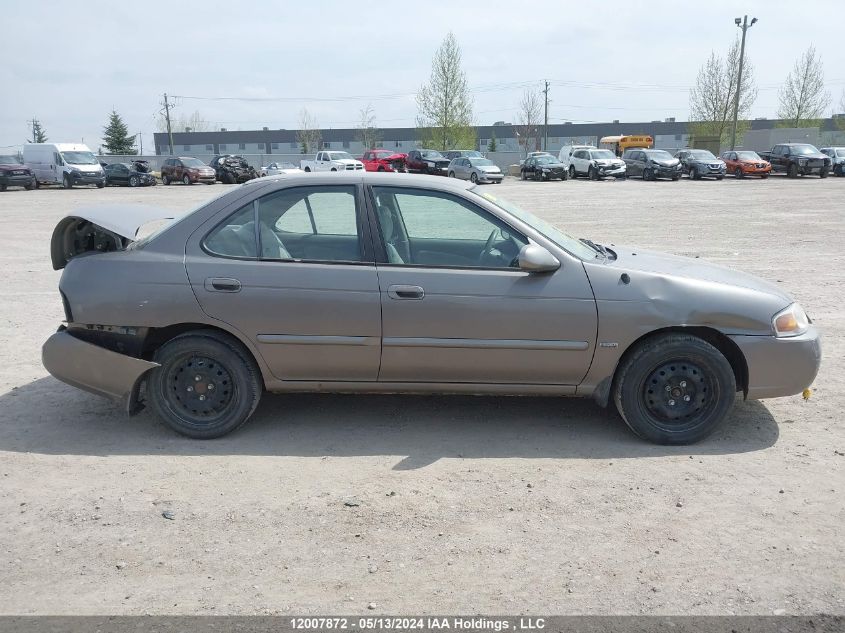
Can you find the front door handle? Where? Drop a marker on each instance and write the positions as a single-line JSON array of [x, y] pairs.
[[405, 292], [222, 284]]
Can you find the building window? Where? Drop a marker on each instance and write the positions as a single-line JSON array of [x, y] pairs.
[[222, 147], [275, 146], [398, 144], [261, 147], [677, 137], [241, 146], [186, 148], [327, 145], [293, 145], [345, 144], [209, 148]]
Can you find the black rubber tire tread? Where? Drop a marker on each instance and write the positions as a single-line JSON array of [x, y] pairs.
[[244, 372], [636, 367]]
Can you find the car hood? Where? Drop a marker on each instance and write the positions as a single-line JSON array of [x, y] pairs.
[[633, 259], [101, 228], [11, 166], [671, 162]]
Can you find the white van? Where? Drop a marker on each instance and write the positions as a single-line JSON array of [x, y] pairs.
[[566, 151], [65, 164]]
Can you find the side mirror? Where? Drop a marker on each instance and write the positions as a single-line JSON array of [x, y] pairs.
[[536, 259]]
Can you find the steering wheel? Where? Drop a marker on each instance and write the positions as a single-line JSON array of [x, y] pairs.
[[487, 251]]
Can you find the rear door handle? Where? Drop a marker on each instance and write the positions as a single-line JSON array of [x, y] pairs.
[[405, 292], [222, 284]]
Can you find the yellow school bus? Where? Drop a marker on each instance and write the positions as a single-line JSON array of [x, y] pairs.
[[618, 144]]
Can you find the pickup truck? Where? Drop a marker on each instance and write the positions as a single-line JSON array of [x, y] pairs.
[[383, 160], [427, 161], [332, 161], [796, 159]]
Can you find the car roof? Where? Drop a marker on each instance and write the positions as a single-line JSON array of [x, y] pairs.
[[368, 178]]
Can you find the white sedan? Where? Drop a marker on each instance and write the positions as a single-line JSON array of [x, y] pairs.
[[274, 169]]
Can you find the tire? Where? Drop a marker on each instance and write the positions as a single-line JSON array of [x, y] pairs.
[[572, 173], [29, 187], [473, 178], [308, 169], [380, 168], [647, 174], [679, 369], [823, 173], [719, 177], [165, 180], [334, 169], [693, 173], [764, 176], [36, 183], [675, 178], [451, 174], [228, 178], [3, 187], [738, 173], [837, 170], [186, 180], [591, 173], [792, 171], [224, 397], [66, 182], [538, 175], [133, 181], [100, 185]]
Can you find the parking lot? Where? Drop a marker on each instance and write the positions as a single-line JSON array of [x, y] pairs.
[[416, 504]]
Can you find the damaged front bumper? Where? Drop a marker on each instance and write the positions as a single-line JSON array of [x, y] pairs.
[[95, 369]]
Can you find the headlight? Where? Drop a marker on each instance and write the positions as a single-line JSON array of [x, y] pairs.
[[792, 321]]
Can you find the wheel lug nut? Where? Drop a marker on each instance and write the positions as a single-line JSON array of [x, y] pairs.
[[671, 403], [190, 389], [686, 398], [211, 386], [197, 378], [683, 383], [668, 388], [202, 397]]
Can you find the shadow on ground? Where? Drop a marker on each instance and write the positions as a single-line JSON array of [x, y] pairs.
[[48, 417]]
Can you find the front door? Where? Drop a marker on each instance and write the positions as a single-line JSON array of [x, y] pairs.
[[457, 309], [302, 286]]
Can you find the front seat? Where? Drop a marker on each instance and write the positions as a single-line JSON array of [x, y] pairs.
[[385, 217]]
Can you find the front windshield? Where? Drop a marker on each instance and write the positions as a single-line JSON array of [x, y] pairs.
[[546, 160], [481, 162], [549, 231], [840, 153], [79, 158], [748, 156], [603, 154], [9, 159], [340, 156], [286, 166], [702, 154], [193, 162], [803, 149], [431, 154], [380, 155], [659, 154], [472, 154]]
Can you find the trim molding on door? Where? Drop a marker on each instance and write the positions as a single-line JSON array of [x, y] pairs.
[[479, 343], [295, 339]]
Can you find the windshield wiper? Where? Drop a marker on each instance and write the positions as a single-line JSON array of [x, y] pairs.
[[596, 247]]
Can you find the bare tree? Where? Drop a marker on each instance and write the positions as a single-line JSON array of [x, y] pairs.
[[308, 135], [368, 133], [193, 122], [529, 117], [802, 97], [712, 98], [444, 119]]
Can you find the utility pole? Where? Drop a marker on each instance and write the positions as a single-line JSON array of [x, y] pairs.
[[141, 142], [167, 118], [546, 118], [744, 25]]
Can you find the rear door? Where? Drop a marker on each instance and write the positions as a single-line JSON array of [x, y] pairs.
[[457, 309], [302, 286]]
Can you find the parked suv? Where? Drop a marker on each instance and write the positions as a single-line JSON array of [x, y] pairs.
[[700, 163], [837, 158], [232, 169], [427, 161], [742, 163], [651, 164], [595, 164], [186, 170], [13, 173], [463, 153]]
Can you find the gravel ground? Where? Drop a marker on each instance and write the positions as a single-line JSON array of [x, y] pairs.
[[326, 504]]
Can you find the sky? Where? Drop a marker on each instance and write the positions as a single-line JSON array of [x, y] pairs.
[[69, 66]]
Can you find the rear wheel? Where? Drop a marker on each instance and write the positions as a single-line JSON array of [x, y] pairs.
[[206, 385], [674, 389]]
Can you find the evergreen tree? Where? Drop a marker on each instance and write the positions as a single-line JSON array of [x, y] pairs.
[[38, 133], [492, 145], [116, 137]]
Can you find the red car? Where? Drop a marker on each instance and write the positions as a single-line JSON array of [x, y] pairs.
[[384, 160], [743, 163]]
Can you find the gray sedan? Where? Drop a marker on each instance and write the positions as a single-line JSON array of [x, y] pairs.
[[475, 170], [394, 283]]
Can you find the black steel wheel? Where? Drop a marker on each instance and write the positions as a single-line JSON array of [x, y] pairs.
[[674, 389], [206, 385]]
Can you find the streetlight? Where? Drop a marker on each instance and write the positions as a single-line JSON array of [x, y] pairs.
[[744, 25]]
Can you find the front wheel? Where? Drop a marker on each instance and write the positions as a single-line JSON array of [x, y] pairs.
[[837, 171], [694, 174], [205, 386], [792, 171], [674, 389], [66, 182], [133, 181], [591, 173], [165, 180], [572, 174], [647, 174], [186, 180], [738, 173], [473, 178], [823, 173], [451, 174]]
